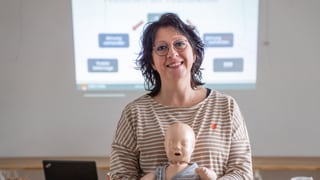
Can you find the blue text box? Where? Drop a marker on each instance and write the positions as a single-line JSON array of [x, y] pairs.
[[102, 65], [114, 40], [228, 64], [218, 39]]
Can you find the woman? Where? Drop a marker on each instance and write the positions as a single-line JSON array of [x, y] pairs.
[[170, 60]]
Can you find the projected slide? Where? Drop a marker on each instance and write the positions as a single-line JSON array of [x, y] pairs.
[[107, 40]]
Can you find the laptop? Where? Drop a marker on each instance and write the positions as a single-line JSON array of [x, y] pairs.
[[69, 170]]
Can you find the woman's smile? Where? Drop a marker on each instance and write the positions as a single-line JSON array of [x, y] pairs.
[[174, 64]]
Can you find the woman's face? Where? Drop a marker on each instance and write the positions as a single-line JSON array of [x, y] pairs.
[[173, 55]]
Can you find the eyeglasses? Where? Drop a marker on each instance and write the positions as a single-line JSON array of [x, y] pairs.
[[162, 48]]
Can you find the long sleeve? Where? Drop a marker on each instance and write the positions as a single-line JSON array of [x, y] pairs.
[[124, 162], [240, 160]]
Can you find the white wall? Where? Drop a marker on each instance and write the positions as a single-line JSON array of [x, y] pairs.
[[42, 113]]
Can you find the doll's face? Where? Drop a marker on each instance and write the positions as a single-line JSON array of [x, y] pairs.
[[179, 143]]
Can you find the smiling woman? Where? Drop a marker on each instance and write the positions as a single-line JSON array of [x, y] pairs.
[[177, 95]]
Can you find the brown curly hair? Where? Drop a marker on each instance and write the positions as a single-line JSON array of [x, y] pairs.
[[145, 60]]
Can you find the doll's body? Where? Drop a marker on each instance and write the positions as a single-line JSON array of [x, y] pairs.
[[179, 145]]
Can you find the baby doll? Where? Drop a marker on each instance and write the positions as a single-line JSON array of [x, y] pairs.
[[179, 145]]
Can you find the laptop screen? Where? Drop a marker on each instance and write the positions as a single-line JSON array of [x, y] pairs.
[[69, 170]]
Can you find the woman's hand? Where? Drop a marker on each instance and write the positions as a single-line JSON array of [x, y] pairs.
[[206, 174]]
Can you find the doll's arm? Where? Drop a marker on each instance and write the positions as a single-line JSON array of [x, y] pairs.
[[206, 174]]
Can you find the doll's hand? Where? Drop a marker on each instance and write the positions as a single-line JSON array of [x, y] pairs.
[[149, 176], [206, 174]]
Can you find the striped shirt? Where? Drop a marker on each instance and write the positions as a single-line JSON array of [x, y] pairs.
[[222, 142]]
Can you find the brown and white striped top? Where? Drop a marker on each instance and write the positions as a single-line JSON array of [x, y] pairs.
[[222, 142]]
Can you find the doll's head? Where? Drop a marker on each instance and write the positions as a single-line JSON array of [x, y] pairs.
[[179, 143]]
